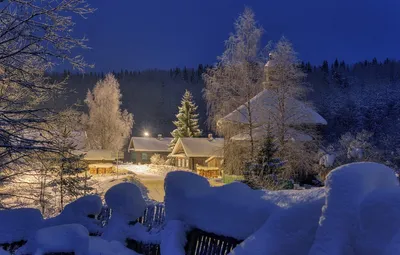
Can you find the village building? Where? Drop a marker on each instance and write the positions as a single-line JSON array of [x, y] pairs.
[[141, 149], [195, 153]]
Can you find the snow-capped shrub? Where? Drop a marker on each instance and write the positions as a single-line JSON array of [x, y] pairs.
[[379, 221], [126, 199], [346, 188], [327, 160], [87, 205], [58, 239], [78, 212], [156, 159], [19, 224]]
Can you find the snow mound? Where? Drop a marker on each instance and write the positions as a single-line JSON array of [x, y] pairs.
[[77, 212], [289, 198], [394, 245], [233, 210], [87, 205], [179, 184], [126, 199], [63, 238], [346, 187], [19, 224], [174, 238], [288, 231], [98, 246], [379, 221], [3, 252]]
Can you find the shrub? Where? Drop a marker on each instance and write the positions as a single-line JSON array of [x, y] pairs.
[[156, 159]]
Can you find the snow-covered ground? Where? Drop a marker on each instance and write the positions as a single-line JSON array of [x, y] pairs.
[[354, 214], [150, 170]]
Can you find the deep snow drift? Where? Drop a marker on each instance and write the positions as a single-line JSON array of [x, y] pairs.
[[346, 187], [19, 224], [233, 210]]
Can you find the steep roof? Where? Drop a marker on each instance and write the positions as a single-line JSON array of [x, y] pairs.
[[150, 144], [199, 147], [263, 106]]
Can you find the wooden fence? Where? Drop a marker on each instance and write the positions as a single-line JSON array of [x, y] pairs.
[[200, 242]]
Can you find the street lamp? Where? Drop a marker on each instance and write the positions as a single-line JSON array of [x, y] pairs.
[[146, 134]]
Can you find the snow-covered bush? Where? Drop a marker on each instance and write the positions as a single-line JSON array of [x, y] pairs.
[[81, 211], [156, 159], [127, 205], [379, 221], [126, 199], [346, 188], [57, 239], [19, 224]]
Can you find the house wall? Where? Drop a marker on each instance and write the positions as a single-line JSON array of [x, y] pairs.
[[198, 161], [138, 157], [215, 162]]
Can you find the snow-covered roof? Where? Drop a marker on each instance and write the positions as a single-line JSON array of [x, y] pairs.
[[260, 132], [264, 107], [106, 155], [199, 147], [150, 144]]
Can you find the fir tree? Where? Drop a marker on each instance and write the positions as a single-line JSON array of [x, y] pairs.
[[185, 75], [267, 156], [187, 123], [336, 64]]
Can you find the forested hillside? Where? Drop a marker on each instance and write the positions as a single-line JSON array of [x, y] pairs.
[[354, 97]]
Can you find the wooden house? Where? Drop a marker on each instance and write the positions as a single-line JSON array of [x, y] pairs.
[[197, 153], [141, 149]]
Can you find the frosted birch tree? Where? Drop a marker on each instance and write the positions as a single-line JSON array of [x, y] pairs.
[[285, 79], [237, 77], [108, 127]]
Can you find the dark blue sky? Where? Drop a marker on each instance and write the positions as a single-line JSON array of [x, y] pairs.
[[132, 34]]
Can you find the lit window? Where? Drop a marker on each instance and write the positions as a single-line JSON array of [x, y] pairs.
[[187, 163]]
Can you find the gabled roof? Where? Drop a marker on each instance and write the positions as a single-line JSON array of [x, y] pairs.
[[263, 108], [199, 147], [150, 144]]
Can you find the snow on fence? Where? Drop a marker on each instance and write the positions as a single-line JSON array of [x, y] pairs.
[[203, 243]]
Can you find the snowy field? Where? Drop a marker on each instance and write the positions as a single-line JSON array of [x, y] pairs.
[[155, 170]]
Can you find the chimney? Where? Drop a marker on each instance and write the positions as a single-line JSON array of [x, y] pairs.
[[210, 137], [159, 137]]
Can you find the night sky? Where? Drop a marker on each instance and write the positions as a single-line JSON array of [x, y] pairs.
[[132, 34]]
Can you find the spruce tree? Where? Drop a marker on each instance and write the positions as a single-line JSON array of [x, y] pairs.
[[187, 123]]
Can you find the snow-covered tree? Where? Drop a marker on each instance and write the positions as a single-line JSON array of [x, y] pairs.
[[187, 123], [284, 78], [236, 78], [107, 126], [34, 38]]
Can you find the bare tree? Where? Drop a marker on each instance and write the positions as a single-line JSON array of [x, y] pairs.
[[107, 126], [237, 77], [34, 37]]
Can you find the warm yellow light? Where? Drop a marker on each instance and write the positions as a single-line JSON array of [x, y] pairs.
[[146, 133]]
